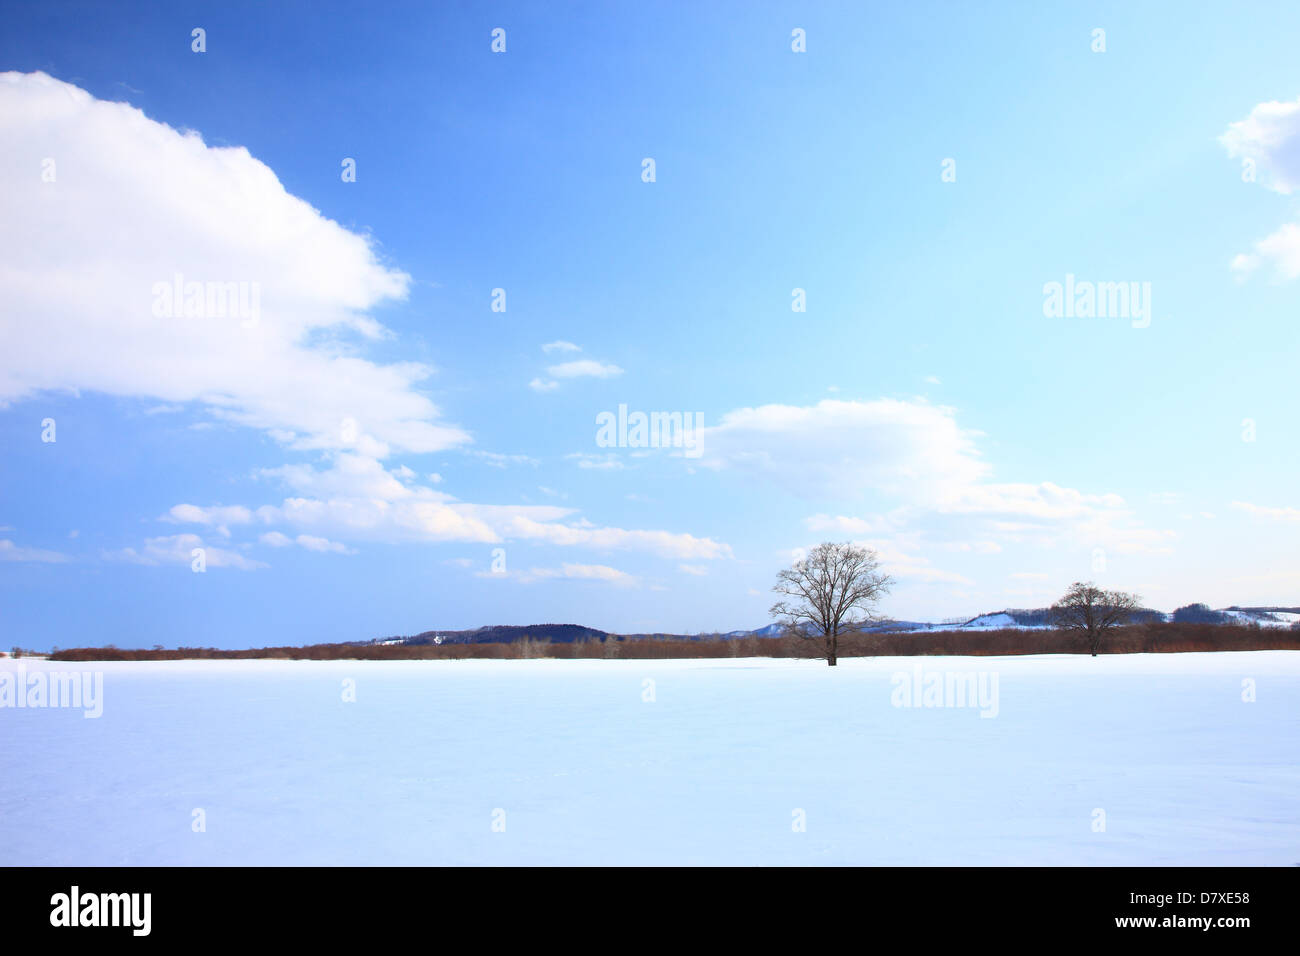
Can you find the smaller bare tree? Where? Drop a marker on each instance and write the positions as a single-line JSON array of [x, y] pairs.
[[1089, 610], [834, 589]]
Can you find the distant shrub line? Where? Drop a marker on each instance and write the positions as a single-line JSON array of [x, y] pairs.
[[1172, 637]]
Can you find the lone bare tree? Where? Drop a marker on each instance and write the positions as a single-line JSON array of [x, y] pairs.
[[1089, 610], [835, 588]]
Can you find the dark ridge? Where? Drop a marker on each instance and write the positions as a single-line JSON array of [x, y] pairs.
[[509, 633]]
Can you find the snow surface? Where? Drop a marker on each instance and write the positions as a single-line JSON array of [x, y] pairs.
[[711, 772]]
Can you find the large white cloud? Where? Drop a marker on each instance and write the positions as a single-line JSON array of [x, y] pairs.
[[85, 260], [844, 448], [916, 456]]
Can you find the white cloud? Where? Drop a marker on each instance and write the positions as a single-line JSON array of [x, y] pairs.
[[578, 368], [1045, 500], [313, 543], [846, 525], [844, 448], [1281, 248], [973, 547], [498, 460], [275, 539], [179, 549], [175, 206], [1270, 136], [609, 461], [1048, 515], [1263, 511], [357, 499], [698, 570], [584, 368], [915, 454], [574, 572], [664, 543], [217, 517], [595, 572], [293, 366], [12, 552], [904, 566]]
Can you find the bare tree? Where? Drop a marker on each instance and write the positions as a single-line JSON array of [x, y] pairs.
[[835, 588], [1089, 610]]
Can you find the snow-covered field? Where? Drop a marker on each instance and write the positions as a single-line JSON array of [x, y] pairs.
[[661, 762]]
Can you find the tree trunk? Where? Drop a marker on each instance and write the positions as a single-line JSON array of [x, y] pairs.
[[832, 649]]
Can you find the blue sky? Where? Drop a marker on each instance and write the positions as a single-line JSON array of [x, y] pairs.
[[351, 462]]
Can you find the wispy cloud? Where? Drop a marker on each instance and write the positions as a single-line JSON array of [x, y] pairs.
[[600, 573], [1270, 513], [499, 460], [584, 368], [180, 549], [12, 552]]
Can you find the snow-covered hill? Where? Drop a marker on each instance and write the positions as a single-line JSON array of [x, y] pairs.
[[1036, 620], [1022, 619], [1263, 617]]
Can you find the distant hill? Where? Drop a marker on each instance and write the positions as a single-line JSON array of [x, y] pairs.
[[1009, 618]]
